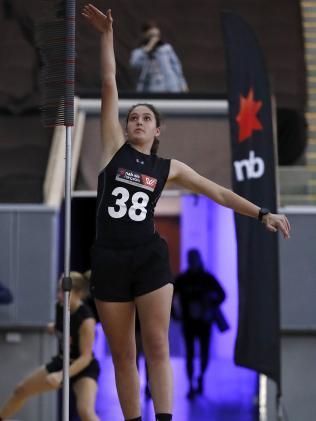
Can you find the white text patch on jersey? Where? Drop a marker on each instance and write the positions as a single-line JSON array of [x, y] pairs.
[[136, 179]]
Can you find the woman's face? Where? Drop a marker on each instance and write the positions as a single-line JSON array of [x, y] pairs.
[[152, 33], [141, 126]]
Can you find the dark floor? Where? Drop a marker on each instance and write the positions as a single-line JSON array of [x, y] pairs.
[[229, 393]]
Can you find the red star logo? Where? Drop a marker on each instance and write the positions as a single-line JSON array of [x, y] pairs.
[[247, 119]]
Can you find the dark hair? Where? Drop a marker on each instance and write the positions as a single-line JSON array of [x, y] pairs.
[[155, 145], [148, 25]]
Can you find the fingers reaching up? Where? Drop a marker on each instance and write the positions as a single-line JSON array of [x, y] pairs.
[[101, 22]]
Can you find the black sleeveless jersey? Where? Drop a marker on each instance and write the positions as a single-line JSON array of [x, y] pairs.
[[128, 190], [82, 313]]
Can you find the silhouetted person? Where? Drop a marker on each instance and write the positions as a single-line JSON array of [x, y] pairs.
[[199, 295]]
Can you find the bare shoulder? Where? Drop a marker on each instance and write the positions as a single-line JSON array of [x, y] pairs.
[[110, 148], [87, 325], [175, 166], [186, 177], [178, 169]]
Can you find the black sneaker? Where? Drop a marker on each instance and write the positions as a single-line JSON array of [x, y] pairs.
[[191, 393], [199, 389]]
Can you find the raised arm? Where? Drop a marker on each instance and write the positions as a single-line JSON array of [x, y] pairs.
[[111, 131], [186, 177]]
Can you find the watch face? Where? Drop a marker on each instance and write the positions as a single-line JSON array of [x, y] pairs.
[[264, 211]]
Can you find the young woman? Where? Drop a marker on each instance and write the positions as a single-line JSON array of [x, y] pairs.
[[84, 368], [130, 266]]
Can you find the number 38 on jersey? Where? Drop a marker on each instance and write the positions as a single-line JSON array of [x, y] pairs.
[[137, 211]]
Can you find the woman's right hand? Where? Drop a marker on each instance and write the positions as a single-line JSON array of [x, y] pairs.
[[151, 44], [101, 22], [55, 379]]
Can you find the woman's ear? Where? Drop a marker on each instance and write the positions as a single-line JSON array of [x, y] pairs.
[[158, 131]]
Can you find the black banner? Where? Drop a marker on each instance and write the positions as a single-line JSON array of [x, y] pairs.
[[253, 163]]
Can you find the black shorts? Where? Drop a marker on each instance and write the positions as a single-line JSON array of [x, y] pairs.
[[92, 370], [120, 275]]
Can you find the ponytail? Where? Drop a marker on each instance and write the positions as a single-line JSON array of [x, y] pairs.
[[154, 147]]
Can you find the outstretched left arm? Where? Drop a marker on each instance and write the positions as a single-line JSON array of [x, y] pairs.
[[186, 177]]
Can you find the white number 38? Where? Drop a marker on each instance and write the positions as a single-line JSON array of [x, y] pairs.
[[137, 212]]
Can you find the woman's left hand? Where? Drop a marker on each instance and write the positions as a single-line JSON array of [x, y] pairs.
[[101, 22], [275, 222]]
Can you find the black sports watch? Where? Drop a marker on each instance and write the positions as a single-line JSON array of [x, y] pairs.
[[262, 212]]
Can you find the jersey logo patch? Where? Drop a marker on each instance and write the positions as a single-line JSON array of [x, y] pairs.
[[136, 179]]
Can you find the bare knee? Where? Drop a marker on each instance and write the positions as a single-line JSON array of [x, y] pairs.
[[156, 347], [124, 358]]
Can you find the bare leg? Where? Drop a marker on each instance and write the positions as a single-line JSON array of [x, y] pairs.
[[85, 390], [154, 314], [32, 385], [118, 321]]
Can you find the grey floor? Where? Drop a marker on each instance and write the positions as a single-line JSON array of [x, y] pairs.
[[229, 393]]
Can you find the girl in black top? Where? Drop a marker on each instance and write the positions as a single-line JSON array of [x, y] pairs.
[[130, 266], [84, 368]]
